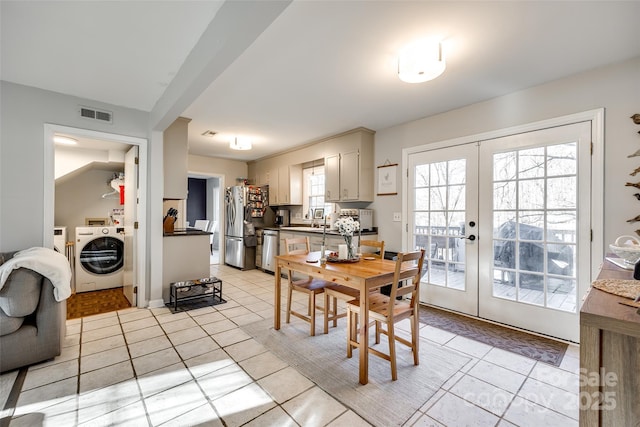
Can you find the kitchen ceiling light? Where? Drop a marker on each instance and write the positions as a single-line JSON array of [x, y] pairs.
[[421, 62], [240, 144], [65, 140]]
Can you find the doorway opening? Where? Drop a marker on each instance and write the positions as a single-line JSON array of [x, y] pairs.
[[204, 209], [98, 186]]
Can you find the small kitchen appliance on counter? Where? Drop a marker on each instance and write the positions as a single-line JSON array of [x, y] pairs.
[[282, 218], [363, 216]]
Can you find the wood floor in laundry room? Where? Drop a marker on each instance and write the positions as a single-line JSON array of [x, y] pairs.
[[96, 302]]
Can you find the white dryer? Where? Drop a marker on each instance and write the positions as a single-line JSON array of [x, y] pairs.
[[60, 240], [99, 258]]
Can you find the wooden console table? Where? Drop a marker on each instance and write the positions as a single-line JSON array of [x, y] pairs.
[[609, 356]]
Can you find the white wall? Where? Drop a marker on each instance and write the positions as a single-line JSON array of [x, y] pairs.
[[615, 88], [23, 113], [80, 197]]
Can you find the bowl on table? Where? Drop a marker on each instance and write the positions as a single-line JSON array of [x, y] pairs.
[[627, 248]]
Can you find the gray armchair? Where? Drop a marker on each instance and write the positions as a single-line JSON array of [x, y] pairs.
[[32, 322]]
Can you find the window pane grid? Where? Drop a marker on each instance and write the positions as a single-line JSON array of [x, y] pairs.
[[535, 226]]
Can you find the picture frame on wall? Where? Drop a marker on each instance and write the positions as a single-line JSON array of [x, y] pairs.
[[318, 213], [387, 179]]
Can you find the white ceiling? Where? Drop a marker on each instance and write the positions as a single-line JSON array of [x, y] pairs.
[[321, 67]]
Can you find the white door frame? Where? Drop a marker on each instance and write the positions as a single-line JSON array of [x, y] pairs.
[[49, 192], [597, 172]]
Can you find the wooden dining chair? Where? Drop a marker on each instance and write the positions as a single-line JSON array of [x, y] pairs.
[[388, 310], [307, 285], [335, 292], [366, 247]]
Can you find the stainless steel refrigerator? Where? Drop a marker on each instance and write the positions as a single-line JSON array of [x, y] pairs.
[[239, 243]]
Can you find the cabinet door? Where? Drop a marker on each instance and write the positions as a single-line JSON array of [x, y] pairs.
[[284, 192], [272, 181], [350, 175], [332, 178]]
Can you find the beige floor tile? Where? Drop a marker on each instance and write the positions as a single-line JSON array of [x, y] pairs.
[[285, 384], [152, 345], [350, 419], [157, 360], [99, 323], [39, 398], [217, 327], [247, 319], [262, 365], [314, 407], [224, 381], [97, 403], [66, 354], [71, 340], [74, 328], [136, 325], [230, 337], [482, 394], [174, 402], [106, 376], [498, 376], [208, 362], [451, 410], [169, 317], [245, 349], [103, 344], [203, 415], [525, 413], [133, 414], [277, 417], [98, 334], [103, 359], [143, 334], [469, 346], [213, 316], [556, 377], [243, 405], [550, 397], [436, 335], [134, 314], [197, 347], [185, 335], [60, 371], [163, 379], [179, 325], [509, 360]]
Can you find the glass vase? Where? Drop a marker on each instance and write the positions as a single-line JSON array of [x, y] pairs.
[[351, 253]]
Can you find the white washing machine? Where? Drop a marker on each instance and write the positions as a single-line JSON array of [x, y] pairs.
[[60, 240], [99, 258]]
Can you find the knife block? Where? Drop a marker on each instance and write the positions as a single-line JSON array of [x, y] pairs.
[[168, 224]]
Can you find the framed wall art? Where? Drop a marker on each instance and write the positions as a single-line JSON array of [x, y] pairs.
[[387, 179]]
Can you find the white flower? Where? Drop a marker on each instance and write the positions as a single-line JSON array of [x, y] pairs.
[[347, 226]]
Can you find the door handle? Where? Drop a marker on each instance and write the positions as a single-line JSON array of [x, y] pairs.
[[471, 237]]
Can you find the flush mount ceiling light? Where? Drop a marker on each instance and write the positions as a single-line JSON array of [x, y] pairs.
[[240, 144], [65, 140], [421, 61]]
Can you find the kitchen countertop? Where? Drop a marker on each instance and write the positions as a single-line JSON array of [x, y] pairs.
[[306, 229], [187, 232]]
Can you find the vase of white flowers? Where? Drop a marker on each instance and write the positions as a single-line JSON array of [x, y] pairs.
[[346, 227]]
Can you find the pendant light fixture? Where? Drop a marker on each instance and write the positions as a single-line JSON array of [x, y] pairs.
[[240, 144], [421, 61]]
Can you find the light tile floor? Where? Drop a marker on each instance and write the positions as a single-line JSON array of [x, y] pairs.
[[151, 367]]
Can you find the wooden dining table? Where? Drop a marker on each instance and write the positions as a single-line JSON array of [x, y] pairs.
[[363, 275]]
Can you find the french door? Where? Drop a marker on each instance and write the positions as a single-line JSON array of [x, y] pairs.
[[506, 226]]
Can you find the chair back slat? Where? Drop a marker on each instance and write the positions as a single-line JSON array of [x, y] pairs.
[[411, 277], [366, 245], [297, 246]]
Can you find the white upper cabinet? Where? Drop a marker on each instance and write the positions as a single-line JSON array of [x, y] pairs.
[[285, 185], [349, 174]]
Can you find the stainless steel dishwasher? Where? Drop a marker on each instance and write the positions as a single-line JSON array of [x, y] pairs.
[[270, 242]]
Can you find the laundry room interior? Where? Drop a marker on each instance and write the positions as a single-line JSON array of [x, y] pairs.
[[89, 214]]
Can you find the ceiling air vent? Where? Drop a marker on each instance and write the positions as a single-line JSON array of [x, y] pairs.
[[95, 114]]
